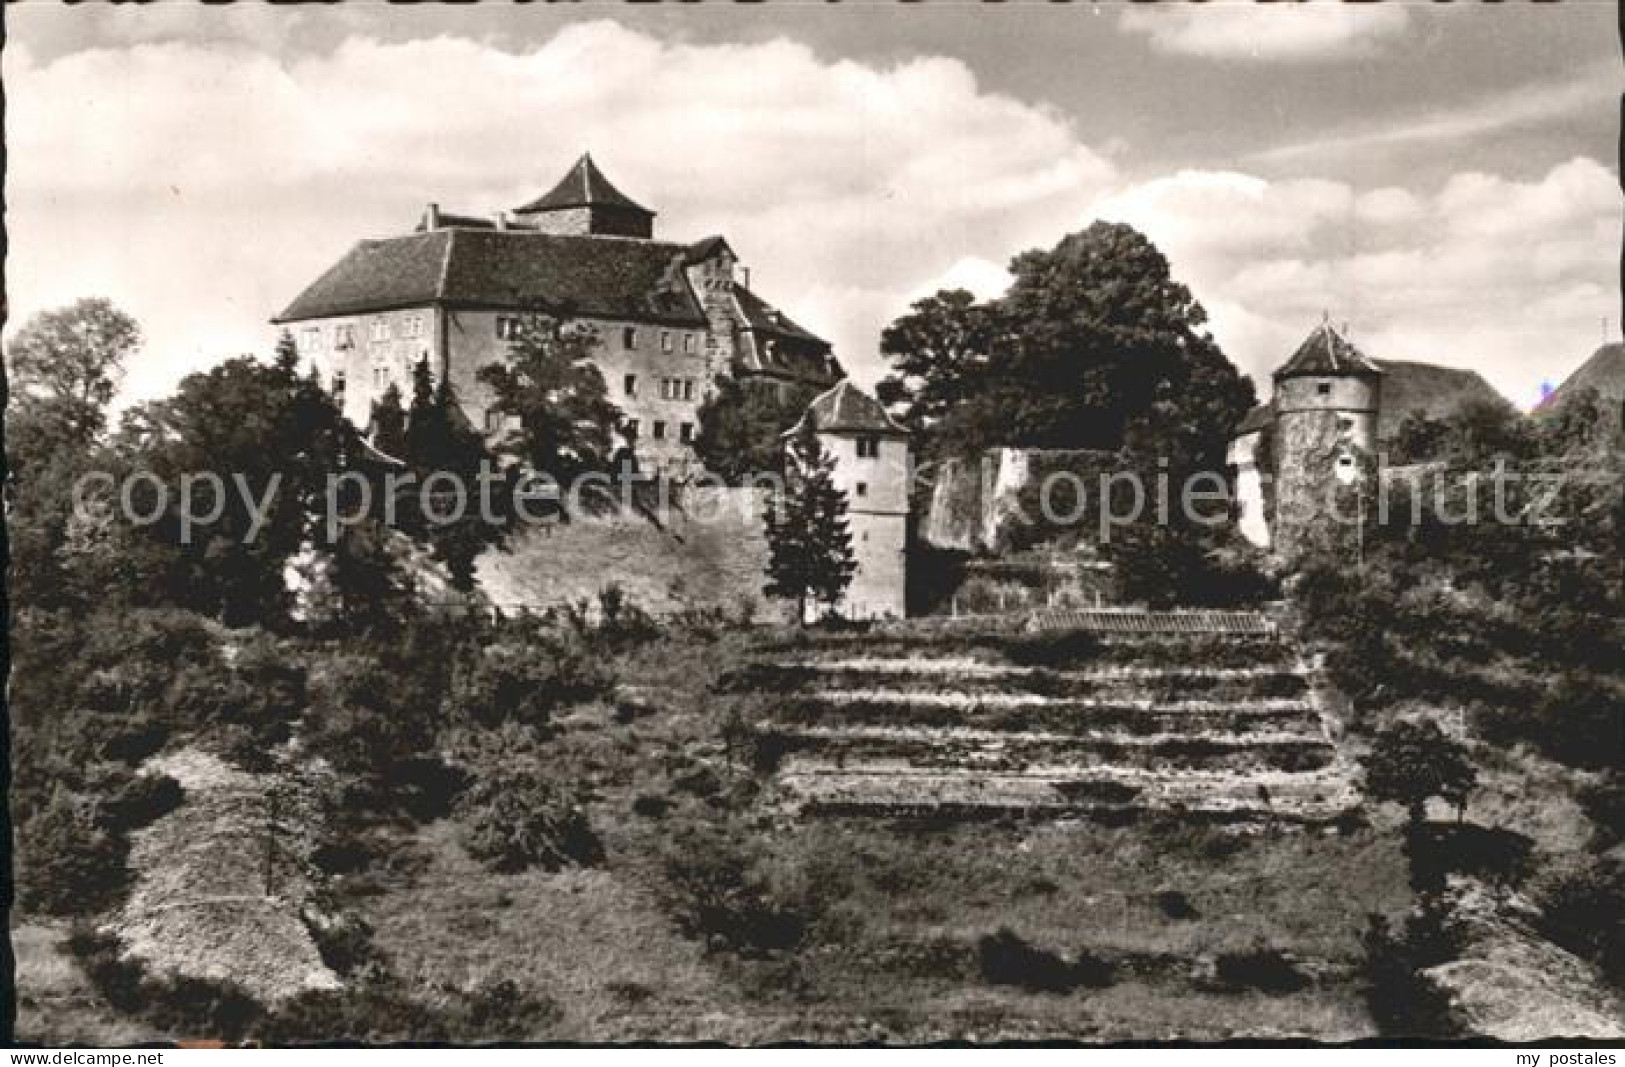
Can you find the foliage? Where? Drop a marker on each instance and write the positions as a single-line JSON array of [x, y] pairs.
[[1604, 804], [742, 428], [1581, 907], [567, 423], [1412, 761], [516, 818], [68, 362], [1006, 959], [722, 886], [526, 676], [1403, 1001], [939, 351], [142, 800], [809, 541], [68, 864], [387, 421], [1260, 967]]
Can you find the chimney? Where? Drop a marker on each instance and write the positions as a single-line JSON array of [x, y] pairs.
[[502, 220], [746, 272], [431, 217]]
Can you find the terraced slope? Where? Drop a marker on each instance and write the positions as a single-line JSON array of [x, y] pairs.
[[1213, 717]]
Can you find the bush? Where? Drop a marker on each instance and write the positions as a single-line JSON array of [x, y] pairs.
[[190, 1006], [1006, 959], [144, 799], [722, 887], [525, 681], [67, 864], [515, 819], [1404, 1002], [1581, 909], [1262, 968], [1604, 804]]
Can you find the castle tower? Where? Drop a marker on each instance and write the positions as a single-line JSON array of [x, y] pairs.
[[586, 204], [1326, 401], [871, 454]]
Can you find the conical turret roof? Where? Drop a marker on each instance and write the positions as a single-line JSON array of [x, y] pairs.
[[583, 186]]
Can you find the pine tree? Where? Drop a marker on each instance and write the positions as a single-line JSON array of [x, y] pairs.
[[809, 540], [388, 423]]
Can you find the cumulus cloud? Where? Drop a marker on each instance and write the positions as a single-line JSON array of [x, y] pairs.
[[1284, 32], [826, 175], [1508, 276]]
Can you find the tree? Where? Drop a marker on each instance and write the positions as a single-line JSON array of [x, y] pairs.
[[1412, 761], [809, 542], [742, 428], [388, 423], [550, 384], [938, 352], [71, 359], [438, 441]]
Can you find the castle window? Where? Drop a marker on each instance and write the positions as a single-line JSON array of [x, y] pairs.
[[689, 344], [344, 336], [507, 327], [632, 426], [659, 431], [493, 420], [312, 340], [685, 432], [629, 337], [665, 340], [868, 447], [631, 385], [1323, 388], [688, 388], [862, 488], [338, 385], [380, 330]]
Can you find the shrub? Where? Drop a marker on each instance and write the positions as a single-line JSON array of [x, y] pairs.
[[1260, 967], [1604, 804], [1006, 959], [1581, 722], [66, 863], [142, 800], [722, 887], [525, 681], [192, 1006], [515, 819], [1175, 905], [1580, 910], [1403, 1001]]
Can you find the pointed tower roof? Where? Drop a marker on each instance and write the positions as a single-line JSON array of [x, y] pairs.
[[847, 409], [1327, 352], [583, 186], [1604, 372]]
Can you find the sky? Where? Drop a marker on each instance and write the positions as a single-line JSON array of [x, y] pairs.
[[1441, 177]]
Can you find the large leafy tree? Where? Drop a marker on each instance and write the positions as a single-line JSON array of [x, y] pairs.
[[71, 360], [742, 428], [809, 541], [938, 352], [550, 384]]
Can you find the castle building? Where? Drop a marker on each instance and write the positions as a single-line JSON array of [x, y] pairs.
[[871, 454], [1323, 414], [670, 318]]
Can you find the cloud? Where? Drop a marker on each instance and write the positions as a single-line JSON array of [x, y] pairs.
[[1277, 32], [205, 219], [1587, 89], [1508, 276]]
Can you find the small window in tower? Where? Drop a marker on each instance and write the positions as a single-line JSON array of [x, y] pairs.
[[507, 327], [868, 447], [1323, 388], [685, 432], [629, 337], [631, 385], [862, 488]]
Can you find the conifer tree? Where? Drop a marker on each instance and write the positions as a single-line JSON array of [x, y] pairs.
[[388, 423], [809, 539]]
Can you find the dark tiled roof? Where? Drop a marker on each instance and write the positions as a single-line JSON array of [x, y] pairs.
[[848, 409], [1604, 372], [761, 316], [1325, 351], [584, 186], [1437, 392], [376, 275], [706, 247], [566, 274]]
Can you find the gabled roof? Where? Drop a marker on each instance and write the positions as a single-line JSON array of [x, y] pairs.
[[1437, 392], [584, 186], [567, 274], [763, 317], [847, 409], [707, 247], [1604, 372], [1325, 351]]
